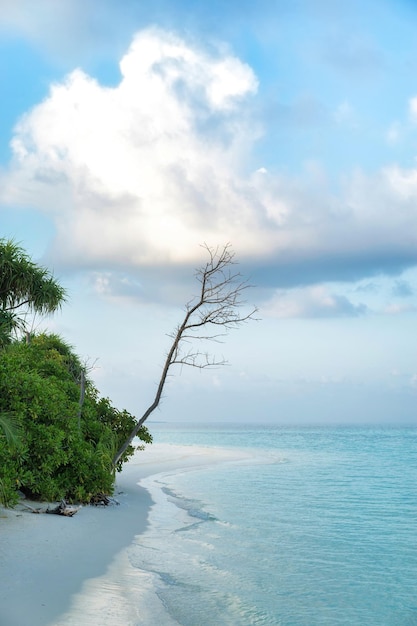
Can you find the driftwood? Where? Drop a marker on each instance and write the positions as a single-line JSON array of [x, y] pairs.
[[64, 509], [31, 508], [61, 509], [102, 499]]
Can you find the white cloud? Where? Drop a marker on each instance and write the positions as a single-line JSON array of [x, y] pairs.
[[402, 181], [116, 285], [52, 26], [130, 174], [70, 32], [396, 308], [23, 16], [142, 173], [311, 302]]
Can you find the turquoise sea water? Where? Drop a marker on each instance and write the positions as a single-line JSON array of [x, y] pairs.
[[318, 526]]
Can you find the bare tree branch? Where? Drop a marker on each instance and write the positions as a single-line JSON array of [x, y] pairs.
[[218, 304]]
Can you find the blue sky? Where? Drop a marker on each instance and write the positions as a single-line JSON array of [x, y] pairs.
[[133, 132]]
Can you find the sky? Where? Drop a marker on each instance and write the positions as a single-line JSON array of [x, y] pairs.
[[133, 132]]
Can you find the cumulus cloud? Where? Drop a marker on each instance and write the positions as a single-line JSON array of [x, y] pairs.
[[140, 174], [144, 172]]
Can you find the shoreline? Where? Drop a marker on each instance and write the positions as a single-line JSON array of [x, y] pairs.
[[47, 560]]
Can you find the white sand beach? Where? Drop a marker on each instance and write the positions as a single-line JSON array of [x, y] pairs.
[[47, 562]]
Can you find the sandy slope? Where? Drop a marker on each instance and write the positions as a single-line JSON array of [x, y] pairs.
[[46, 559]]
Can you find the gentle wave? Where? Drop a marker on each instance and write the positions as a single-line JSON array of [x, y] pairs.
[[326, 538], [271, 527]]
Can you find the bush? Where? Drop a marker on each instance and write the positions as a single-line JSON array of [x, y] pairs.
[[60, 453]]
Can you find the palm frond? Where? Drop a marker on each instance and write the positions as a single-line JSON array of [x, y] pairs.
[[11, 428]]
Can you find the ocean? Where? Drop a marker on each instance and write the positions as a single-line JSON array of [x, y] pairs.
[[309, 527]]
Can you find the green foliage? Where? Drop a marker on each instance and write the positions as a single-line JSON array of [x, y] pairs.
[[23, 283], [55, 454], [10, 427], [9, 323]]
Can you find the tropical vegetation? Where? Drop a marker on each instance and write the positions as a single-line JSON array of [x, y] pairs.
[[58, 437], [24, 288]]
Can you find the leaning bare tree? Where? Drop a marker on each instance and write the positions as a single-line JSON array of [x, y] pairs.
[[208, 316]]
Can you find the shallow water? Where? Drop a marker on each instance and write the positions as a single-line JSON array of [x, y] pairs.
[[317, 526], [299, 527]]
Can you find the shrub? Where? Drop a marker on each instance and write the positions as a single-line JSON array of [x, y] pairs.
[[60, 453]]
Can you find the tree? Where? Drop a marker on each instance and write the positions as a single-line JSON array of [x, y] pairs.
[[46, 451], [208, 316], [24, 284]]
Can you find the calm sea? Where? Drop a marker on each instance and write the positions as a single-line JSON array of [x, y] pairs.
[[316, 527]]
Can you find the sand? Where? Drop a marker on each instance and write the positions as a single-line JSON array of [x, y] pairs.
[[46, 561]]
